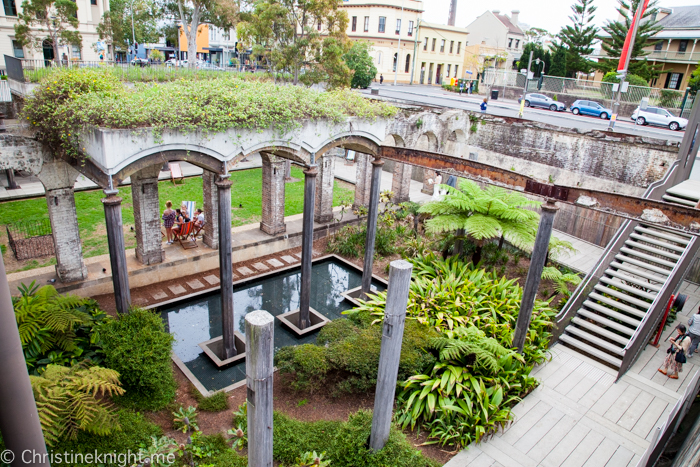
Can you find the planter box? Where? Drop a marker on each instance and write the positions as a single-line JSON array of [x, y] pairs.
[[291, 320], [353, 295], [214, 349]]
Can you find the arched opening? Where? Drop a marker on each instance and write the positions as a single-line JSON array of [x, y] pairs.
[[456, 144], [408, 62]]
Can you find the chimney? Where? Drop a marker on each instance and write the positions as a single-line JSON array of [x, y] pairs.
[[514, 16], [453, 13], [496, 12]]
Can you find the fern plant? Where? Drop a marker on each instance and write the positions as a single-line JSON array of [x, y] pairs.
[[74, 398], [561, 280], [468, 343], [57, 329], [483, 214]]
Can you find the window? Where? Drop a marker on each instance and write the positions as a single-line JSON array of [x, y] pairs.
[[433, 48], [76, 52], [452, 46], [354, 23], [18, 50], [456, 68], [682, 46], [517, 43], [10, 7], [442, 46], [382, 23], [319, 25], [408, 62], [366, 23], [673, 80], [93, 2], [410, 28], [510, 43], [425, 45], [449, 66], [459, 47], [659, 45], [398, 26]]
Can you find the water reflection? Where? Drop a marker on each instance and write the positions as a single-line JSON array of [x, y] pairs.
[[198, 320]]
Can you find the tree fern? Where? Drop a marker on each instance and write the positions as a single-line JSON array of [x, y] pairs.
[[70, 399]]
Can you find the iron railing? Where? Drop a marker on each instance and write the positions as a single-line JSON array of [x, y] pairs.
[[31, 239]]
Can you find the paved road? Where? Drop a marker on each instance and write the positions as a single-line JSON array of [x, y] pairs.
[[431, 95]]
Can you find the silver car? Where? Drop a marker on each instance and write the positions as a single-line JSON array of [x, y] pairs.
[[659, 117], [545, 102]]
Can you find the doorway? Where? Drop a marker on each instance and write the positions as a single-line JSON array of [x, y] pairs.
[[47, 47], [438, 75], [430, 74]]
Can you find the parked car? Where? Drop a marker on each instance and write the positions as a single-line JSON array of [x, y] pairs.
[[590, 108], [540, 100], [140, 61], [209, 67], [659, 117]]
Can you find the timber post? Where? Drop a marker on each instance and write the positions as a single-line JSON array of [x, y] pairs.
[[377, 165], [259, 368]]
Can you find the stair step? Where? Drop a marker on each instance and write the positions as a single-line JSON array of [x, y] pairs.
[[600, 330], [652, 250], [624, 296], [642, 264], [608, 311], [647, 257], [616, 362], [675, 237], [666, 245], [683, 201], [581, 334], [628, 288], [605, 321], [638, 272], [634, 280]]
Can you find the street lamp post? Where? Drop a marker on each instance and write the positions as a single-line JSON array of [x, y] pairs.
[[416, 42], [398, 51]]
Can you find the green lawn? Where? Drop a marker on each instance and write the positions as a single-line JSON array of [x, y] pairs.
[[246, 191]]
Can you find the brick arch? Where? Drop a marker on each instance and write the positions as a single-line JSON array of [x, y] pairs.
[[200, 159], [394, 140], [427, 142]]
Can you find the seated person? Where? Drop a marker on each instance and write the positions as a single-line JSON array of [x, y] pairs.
[[199, 218], [179, 220], [185, 214]]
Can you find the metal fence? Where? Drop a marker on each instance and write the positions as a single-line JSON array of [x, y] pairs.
[[675, 101], [31, 239]]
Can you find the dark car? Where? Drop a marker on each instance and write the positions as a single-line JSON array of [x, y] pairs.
[[593, 108], [140, 62], [545, 102]]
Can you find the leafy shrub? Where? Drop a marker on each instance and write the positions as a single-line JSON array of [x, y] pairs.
[[135, 431], [345, 443], [217, 402], [57, 329], [348, 352], [185, 419], [137, 346], [670, 98]]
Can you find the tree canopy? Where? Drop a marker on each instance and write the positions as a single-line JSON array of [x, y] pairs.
[[115, 27], [537, 52], [578, 38], [559, 61], [360, 62], [55, 21]]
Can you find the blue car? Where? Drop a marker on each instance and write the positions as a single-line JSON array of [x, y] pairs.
[[590, 108]]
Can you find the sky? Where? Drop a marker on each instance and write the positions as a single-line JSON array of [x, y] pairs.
[[548, 14]]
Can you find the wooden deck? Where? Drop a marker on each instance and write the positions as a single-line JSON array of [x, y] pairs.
[[579, 415]]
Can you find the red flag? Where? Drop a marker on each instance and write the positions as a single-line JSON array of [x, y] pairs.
[[625, 49]]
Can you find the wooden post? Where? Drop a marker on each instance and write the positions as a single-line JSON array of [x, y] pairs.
[[259, 368], [377, 164], [390, 354], [307, 244], [19, 419], [223, 187], [117, 253], [534, 274]]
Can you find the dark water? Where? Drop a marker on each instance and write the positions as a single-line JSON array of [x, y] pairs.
[[198, 320]]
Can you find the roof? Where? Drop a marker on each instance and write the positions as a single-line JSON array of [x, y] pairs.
[[682, 17], [425, 24], [512, 28]]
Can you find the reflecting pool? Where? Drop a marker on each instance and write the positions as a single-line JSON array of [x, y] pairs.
[[199, 319]]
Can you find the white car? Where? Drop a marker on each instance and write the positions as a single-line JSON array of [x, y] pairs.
[[659, 117]]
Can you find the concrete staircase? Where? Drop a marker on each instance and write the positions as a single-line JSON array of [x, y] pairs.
[[617, 304], [686, 193]]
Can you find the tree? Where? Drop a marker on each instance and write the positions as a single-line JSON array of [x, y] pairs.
[[360, 62], [559, 61], [537, 52], [55, 21], [484, 214], [579, 37], [694, 82], [306, 35], [537, 35], [617, 31], [115, 27]]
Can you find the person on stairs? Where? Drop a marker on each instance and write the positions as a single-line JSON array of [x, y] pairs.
[[694, 333], [676, 354]]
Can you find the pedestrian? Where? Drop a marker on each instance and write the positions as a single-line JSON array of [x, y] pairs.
[[694, 333], [381, 78], [436, 187], [484, 105], [676, 353]]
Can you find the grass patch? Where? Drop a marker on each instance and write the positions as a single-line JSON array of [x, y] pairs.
[[246, 192], [217, 402]]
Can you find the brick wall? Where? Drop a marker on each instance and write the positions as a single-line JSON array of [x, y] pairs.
[[66, 235], [323, 211], [149, 240], [273, 171], [211, 209]]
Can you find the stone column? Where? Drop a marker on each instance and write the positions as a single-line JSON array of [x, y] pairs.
[[259, 370], [144, 193], [225, 266], [117, 254], [371, 227], [211, 209], [307, 243], [324, 190], [273, 169], [58, 179], [534, 274], [19, 418], [363, 179], [401, 182], [427, 176]]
